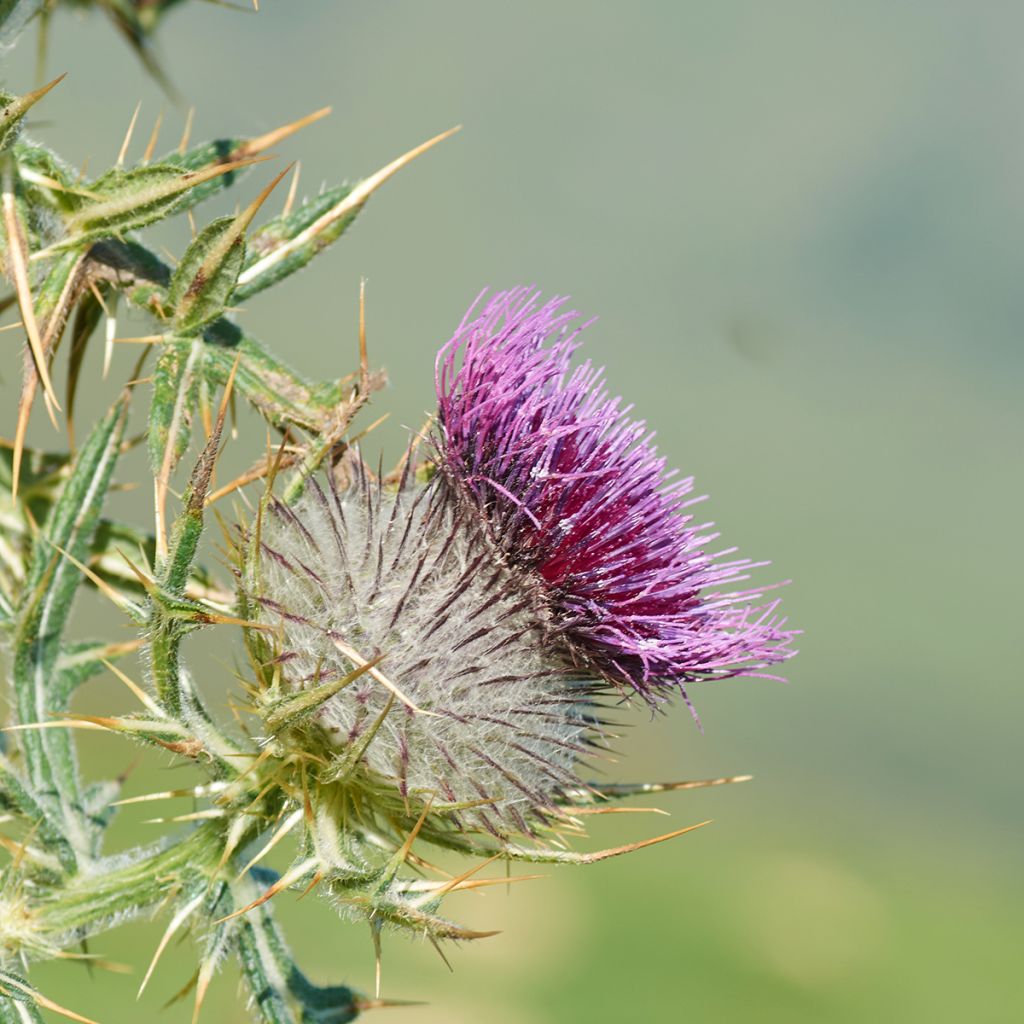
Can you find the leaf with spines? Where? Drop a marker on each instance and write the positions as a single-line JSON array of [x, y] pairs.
[[16, 795], [288, 243], [203, 281], [47, 180], [282, 396], [202, 284], [13, 1011], [126, 200], [275, 982], [234, 151], [43, 613], [175, 388], [14, 108]]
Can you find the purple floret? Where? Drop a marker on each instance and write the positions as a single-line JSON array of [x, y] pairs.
[[573, 491]]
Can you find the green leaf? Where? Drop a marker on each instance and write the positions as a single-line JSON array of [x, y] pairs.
[[175, 390], [14, 108], [232, 151], [43, 613], [79, 662], [126, 200], [47, 179], [274, 979], [15, 795], [206, 276], [279, 393], [286, 244], [20, 1011], [13, 16]]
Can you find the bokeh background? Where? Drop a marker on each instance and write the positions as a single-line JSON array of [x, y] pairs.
[[801, 225]]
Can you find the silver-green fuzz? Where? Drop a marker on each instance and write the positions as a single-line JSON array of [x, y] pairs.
[[487, 717]]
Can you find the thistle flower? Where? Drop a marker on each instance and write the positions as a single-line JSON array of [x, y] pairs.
[[575, 496], [476, 621]]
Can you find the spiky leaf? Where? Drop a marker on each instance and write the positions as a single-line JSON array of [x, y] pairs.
[[205, 277], [43, 613]]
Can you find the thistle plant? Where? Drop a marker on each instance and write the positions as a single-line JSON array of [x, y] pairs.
[[428, 656]]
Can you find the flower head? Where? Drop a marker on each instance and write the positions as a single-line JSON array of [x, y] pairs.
[[455, 638], [573, 492]]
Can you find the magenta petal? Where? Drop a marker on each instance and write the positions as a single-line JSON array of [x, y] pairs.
[[573, 491]]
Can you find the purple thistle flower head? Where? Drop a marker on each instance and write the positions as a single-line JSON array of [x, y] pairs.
[[572, 491]]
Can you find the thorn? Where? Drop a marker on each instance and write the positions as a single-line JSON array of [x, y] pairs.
[[383, 1004], [440, 952], [244, 219], [128, 136], [373, 426], [122, 602], [154, 135], [592, 858], [186, 134], [288, 878], [455, 882], [160, 525], [146, 582], [289, 823], [613, 810], [19, 271], [142, 339], [22, 104], [364, 366], [203, 980], [141, 694], [271, 138], [353, 201], [48, 1004], [108, 347], [35, 178], [98, 296], [208, 814], [357, 659], [317, 879], [28, 391], [375, 935], [183, 991], [622, 790], [176, 922], [292, 189], [403, 851], [248, 478], [169, 794]]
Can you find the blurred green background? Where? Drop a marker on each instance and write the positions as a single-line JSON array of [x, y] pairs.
[[802, 226]]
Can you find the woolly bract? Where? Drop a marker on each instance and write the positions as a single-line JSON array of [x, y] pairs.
[[471, 706]]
